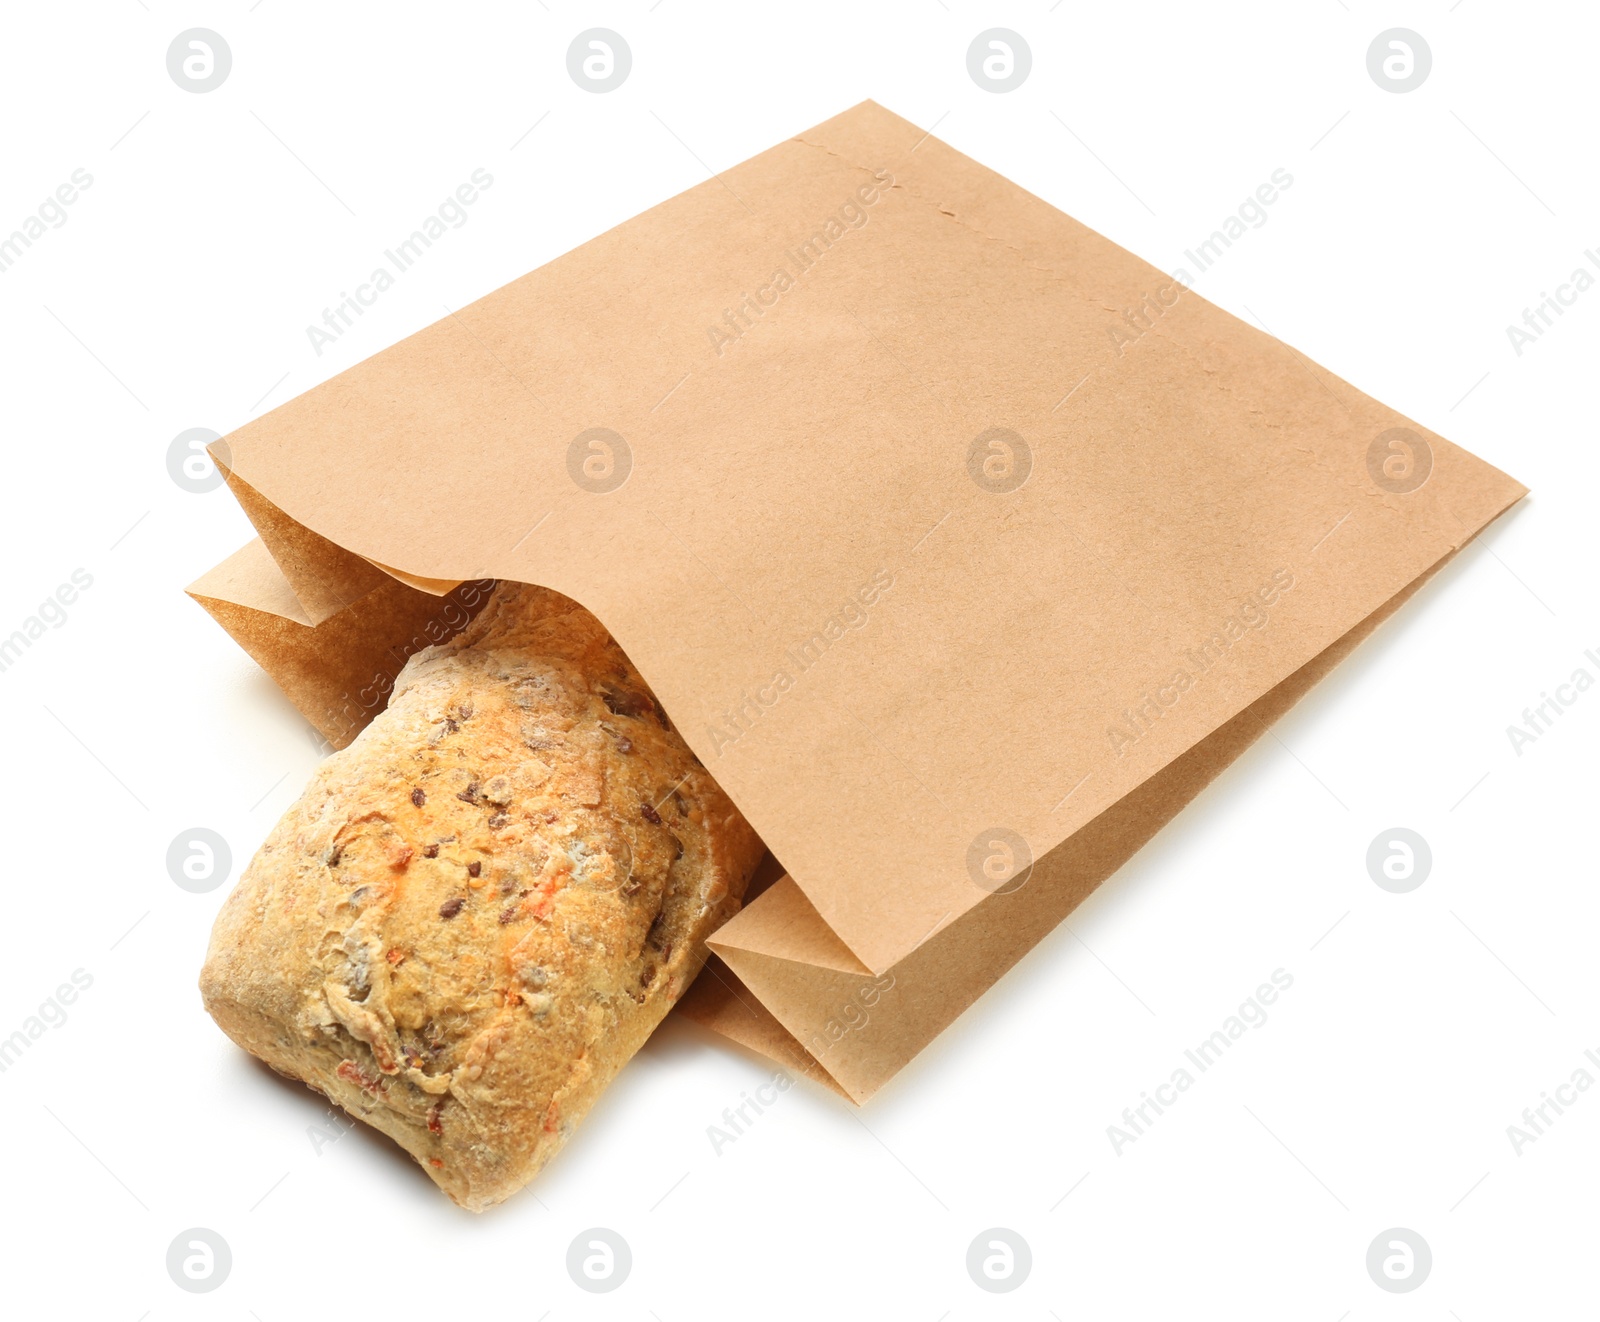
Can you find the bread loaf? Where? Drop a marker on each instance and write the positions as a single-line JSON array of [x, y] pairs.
[[478, 912]]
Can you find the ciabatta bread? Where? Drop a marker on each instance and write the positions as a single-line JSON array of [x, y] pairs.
[[478, 912]]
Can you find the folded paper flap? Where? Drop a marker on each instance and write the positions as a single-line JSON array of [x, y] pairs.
[[717, 1000], [783, 924], [755, 431], [322, 575], [338, 670], [434, 587], [251, 578]]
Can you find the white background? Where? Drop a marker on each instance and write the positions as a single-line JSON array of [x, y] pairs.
[[1418, 1027]]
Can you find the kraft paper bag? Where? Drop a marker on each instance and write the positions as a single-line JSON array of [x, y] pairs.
[[962, 546]]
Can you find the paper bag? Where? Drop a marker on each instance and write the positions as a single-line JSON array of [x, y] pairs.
[[962, 546]]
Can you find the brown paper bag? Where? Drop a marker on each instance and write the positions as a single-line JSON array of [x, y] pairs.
[[963, 547]]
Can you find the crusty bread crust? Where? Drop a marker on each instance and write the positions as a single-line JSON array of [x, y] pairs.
[[479, 911]]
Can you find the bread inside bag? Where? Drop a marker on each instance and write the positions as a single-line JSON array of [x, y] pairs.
[[480, 909]]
